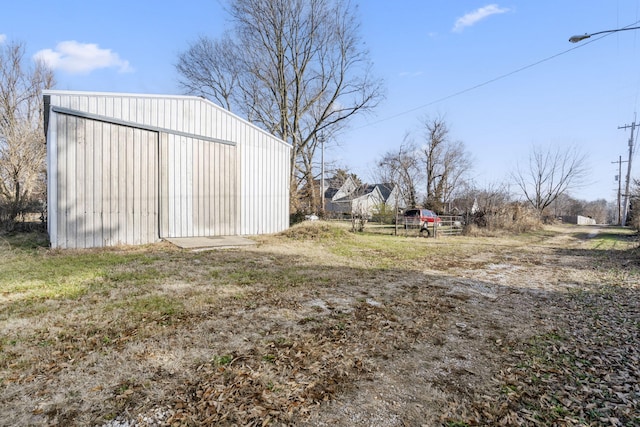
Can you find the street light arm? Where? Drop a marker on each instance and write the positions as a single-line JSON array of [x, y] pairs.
[[578, 38]]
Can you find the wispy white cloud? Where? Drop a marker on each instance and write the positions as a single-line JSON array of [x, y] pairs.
[[478, 15], [82, 58], [3, 37]]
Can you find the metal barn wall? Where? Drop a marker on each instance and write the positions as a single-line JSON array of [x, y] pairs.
[[105, 182], [216, 174], [264, 190], [198, 188]]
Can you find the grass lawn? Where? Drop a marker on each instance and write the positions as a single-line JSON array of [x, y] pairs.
[[319, 326]]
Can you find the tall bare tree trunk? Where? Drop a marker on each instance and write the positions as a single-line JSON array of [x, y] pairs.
[[307, 73]]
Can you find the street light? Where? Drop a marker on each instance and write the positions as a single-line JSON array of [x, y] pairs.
[[576, 39]]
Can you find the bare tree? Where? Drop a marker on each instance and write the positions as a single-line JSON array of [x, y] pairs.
[[598, 210], [550, 174], [22, 145], [402, 170], [209, 68], [564, 204], [487, 200], [446, 163], [295, 67]]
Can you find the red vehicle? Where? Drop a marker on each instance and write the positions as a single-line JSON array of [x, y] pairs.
[[424, 219]]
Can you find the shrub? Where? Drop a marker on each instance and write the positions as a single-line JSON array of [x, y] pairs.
[[512, 217]]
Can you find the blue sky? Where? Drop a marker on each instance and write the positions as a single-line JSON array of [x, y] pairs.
[[481, 65]]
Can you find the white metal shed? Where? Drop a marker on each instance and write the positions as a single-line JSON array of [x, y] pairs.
[[134, 169]]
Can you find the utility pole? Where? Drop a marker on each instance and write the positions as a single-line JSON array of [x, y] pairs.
[[626, 189], [619, 179]]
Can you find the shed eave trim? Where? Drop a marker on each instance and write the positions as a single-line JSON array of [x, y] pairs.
[[113, 120]]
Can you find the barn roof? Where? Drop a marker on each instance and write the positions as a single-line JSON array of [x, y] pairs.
[[174, 114]]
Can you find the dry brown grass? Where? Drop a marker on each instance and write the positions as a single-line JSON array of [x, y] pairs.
[[318, 326]]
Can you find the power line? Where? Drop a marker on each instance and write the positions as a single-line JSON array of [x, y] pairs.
[[488, 82]]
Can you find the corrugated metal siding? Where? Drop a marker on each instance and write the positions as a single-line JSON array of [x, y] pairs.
[[191, 115], [265, 184], [198, 188], [106, 184], [217, 174]]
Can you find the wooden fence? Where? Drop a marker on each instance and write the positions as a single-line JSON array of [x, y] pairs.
[[450, 225]]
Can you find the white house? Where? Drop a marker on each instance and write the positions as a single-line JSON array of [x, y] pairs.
[[358, 200]]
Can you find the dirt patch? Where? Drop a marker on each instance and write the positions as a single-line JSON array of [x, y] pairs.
[[322, 328]]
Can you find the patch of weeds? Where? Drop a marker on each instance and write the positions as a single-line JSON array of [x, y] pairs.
[[109, 417], [310, 319], [292, 277], [316, 230], [538, 345], [134, 275], [246, 277], [594, 414], [282, 342], [342, 250], [540, 234], [559, 410], [456, 424], [617, 240], [385, 252], [269, 358], [154, 306], [222, 360], [125, 390], [31, 277], [27, 242], [508, 389]]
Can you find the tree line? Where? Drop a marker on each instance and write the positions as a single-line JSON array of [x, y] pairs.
[[23, 174], [432, 170]]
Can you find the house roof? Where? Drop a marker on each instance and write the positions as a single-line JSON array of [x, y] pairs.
[[385, 190], [330, 192]]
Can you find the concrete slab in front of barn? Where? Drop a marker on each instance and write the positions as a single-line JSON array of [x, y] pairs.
[[209, 243]]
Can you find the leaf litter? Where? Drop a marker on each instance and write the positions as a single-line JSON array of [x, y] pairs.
[[551, 341]]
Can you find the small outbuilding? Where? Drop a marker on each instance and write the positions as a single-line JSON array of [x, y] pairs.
[[134, 169]]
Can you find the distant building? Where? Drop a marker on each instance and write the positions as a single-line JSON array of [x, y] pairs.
[[578, 219], [350, 198]]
